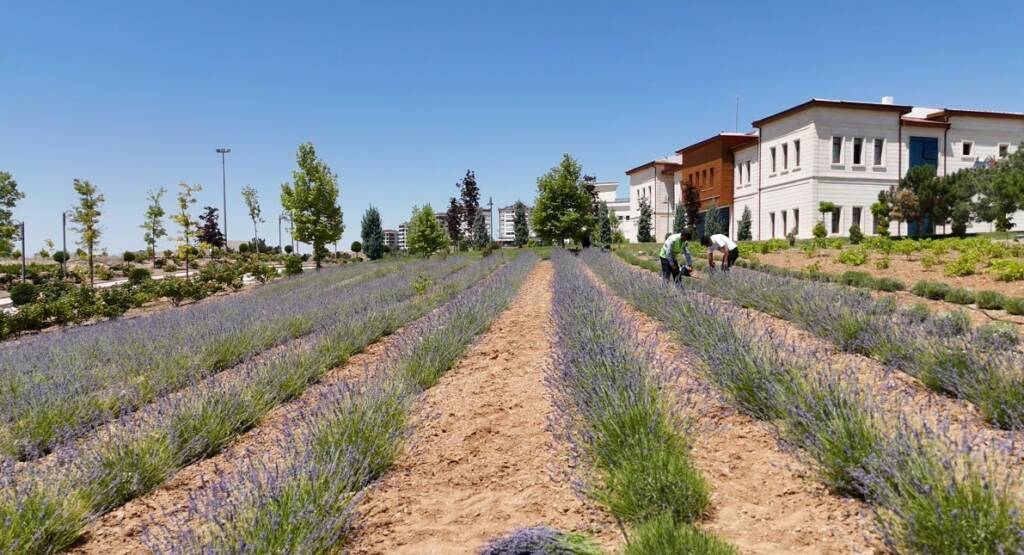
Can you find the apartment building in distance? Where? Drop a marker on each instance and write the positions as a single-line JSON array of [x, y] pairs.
[[391, 238], [658, 182], [506, 224], [402, 235]]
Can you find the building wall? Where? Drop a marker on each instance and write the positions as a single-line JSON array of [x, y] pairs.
[[745, 168], [656, 186]]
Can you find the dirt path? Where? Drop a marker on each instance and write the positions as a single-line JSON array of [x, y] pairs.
[[482, 461], [764, 499]]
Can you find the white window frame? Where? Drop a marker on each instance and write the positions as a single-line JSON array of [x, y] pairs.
[[881, 161], [796, 153], [853, 150], [1000, 149], [969, 145], [785, 156], [771, 152], [842, 150]]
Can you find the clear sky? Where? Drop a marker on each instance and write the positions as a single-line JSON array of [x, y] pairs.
[[401, 97]]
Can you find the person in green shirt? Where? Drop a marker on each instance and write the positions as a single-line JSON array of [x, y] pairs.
[[675, 244]]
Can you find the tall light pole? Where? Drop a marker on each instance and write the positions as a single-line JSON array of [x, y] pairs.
[[224, 188], [64, 238], [21, 231], [280, 245], [490, 209]]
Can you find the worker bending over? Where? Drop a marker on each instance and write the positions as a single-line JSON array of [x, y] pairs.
[[721, 243], [675, 244]]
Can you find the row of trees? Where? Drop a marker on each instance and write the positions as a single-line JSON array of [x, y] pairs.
[[991, 193]]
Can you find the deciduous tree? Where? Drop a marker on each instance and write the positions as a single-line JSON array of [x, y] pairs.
[[252, 203], [312, 199], [9, 197], [209, 231], [154, 223], [425, 235], [186, 224], [87, 216], [563, 209]]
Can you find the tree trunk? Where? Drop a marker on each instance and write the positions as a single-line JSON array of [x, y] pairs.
[[92, 279]]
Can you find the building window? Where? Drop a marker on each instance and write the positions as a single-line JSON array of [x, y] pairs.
[[771, 218], [796, 220], [772, 151], [784, 225], [785, 161], [858, 151], [968, 148], [835, 219], [879, 151], [748, 171], [856, 216], [796, 153], [704, 177], [739, 174], [1004, 150], [837, 150]]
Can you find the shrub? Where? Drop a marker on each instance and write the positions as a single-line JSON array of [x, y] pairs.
[[882, 263], [662, 535], [998, 334], [1014, 305], [963, 265], [243, 248], [959, 295], [222, 274], [261, 272], [170, 266], [917, 313], [24, 293], [819, 231], [1007, 270], [288, 249], [930, 260], [935, 290], [61, 256], [137, 276], [854, 257], [791, 237], [889, 284], [990, 300], [541, 539], [128, 256], [856, 279], [292, 265], [856, 235], [356, 246], [950, 323]]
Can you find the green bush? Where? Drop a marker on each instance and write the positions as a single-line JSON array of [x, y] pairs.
[[959, 295], [137, 276], [128, 256], [261, 272], [663, 536], [856, 279], [819, 231], [856, 235], [292, 265], [1014, 305], [999, 334], [963, 265], [935, 290], [24, 293], [990, 300], [882, 263], [222, 274], [918, 312], [889, 284], [856, 256], [1007, 270]]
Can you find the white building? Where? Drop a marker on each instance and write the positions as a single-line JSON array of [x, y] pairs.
[[657, 181], [847, 152], [506, 224], [391, 238], [403, 232], [607, 192]]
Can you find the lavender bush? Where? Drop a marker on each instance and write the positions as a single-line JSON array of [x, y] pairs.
[[611, 409], [132, 459], [930, 492], [305, 503], [540, 540]]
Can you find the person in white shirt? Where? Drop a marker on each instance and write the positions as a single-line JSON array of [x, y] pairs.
[[721, 243]]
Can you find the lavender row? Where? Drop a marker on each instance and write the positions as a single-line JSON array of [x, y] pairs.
[[931, 493], [610, 408], [942, 351], [306, 502], [132, 459], [140, 360]]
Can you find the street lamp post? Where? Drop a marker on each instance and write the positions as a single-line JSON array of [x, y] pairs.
[[280, 244], [21, 231], [224, 189], [64, 239]]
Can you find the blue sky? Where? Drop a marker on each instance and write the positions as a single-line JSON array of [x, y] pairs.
[[400, 98]]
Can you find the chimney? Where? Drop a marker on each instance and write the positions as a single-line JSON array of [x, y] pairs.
[[887, 100]]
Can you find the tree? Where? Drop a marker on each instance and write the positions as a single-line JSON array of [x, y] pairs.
[[425, 235], [469, 193], [9, 197], [643, 226], [679, 219], [454, 220], [691, 200], [87, 216], [312, 199], [746, 221], [519, 225], [961, 188], [188, 226], [882, 212], [481, 235], [154, 224], [562, 210], [604, 224], [252, 203], [356, 247], [928, 189], [904, 207], [372, 234], [209, 232], [1000, 190], [712, 220]]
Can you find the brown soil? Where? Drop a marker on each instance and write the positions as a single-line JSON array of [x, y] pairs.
[[121, 530], [764, 499], [482, 462], [908, 271]]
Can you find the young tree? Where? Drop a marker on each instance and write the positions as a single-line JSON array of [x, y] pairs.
[[252, 203], [691, 200], [188, 226], [679, 219], [712, 220], [481, 235], [356, 247], [563, 209], [87, 216], [209, 232], [519, 225], [930, 193], [372, 234], [469, 193], [312, 199], [154, 224], [9, 197], [453, 221], [425, 235], [1000, 190], [604, 224], [643, 225], [746, 221], [904, 207]]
